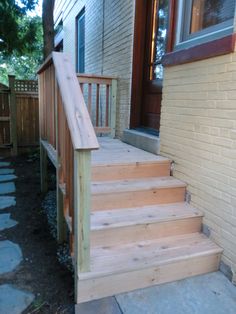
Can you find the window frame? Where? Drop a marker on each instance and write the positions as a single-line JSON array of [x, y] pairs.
[[77, 21], [185, 40]]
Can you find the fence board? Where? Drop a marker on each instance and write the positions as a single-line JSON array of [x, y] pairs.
[[26, 117]]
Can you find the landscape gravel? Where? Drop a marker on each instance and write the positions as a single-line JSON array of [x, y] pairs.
[[50, 208]]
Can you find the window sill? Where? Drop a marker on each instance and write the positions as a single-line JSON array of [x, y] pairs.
[[211, 49]]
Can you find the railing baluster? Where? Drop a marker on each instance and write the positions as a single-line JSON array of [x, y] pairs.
[[107, 105], [90, 99], [97, 105]]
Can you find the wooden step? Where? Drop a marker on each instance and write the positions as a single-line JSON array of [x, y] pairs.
[[120, 226], [136, 192], [123, 268], [131, 170]]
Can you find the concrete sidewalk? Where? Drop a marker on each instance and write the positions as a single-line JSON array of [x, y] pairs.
[[206, 294]]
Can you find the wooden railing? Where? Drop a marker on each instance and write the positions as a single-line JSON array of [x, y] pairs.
[[100, 96], [67, 138]]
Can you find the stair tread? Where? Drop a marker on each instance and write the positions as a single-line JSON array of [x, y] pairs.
[[116, 186], [113, 151], [115, 218], [145, 254]]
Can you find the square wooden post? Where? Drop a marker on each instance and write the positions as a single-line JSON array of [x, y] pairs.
[[82, 196], [113, 107], [13, 113]]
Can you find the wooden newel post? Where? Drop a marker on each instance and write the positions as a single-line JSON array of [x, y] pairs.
[[13, 113], [82, 177], [82, 196]]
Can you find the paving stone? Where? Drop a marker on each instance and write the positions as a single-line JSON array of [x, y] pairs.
[[10, 256], [6, 171], [8, 187], [13, 300], [211, 294], [7, 177], [7, 201], [102, 306], [4, 164], [6, 222]]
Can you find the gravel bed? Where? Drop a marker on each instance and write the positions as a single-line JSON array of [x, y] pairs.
[[50, 208]]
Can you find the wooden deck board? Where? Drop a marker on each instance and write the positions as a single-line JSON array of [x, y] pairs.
[[100, 187], [144, 254], [114, 151], [116, 218]]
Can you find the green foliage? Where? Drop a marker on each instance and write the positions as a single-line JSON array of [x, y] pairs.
[[21, 40], [15, 35]]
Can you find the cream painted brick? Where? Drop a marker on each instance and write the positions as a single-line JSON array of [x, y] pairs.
[[206, 158]]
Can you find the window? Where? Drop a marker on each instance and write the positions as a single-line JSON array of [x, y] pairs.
[[204, 20], [160, 19], [80, 34]]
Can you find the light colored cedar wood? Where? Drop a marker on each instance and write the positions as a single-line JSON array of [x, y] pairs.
[[113, 107], [86, 75], [93, 289], [94, 80], [113, 151], [97, 104], [51, 152], [105, 130], [137, 198], [81, 129], [145, 231], [124, 217], [133, 185], [90, 99], [143, 223], [82, 211], [130, 171], [146, 263], [107, 105]]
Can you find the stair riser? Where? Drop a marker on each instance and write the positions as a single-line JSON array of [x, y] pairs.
[[96, 288], [124, 235], [137, 198], [132, 171]]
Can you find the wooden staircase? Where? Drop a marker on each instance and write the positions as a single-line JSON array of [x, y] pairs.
[[130, 227], [143, 232]]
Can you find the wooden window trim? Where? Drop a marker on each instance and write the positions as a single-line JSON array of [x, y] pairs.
[[203, 51]]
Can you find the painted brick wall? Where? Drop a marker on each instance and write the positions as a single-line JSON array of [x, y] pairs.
[[198, 131], [108, 43]]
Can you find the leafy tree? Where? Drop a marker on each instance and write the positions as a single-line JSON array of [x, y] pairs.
[[21, 40], [16, 36]]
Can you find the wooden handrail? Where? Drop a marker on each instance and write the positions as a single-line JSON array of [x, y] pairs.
[[79, 122], [67, 138]]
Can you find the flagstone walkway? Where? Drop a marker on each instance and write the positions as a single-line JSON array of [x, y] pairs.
[[13, 300]]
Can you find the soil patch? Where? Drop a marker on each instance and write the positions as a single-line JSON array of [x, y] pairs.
[[40, 271]]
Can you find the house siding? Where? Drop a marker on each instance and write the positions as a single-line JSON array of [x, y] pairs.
[[198, 131], [108, 44]]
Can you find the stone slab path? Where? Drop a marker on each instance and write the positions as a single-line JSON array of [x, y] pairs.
[[10, 256], [13, 300], [7, 201], [6, 171], [7, 177], [6, 222], [7, 188]]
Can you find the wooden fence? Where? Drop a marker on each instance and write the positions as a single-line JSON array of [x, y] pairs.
[[19, 117]]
